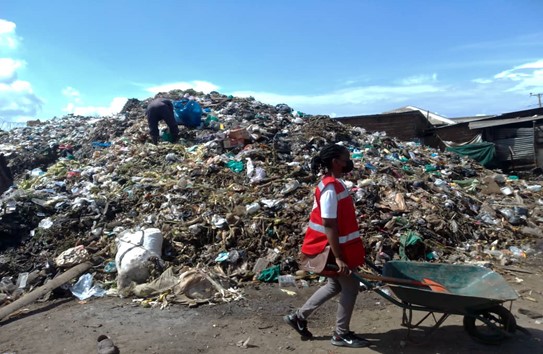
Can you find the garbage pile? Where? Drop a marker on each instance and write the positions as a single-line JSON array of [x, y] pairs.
[[234, 195]]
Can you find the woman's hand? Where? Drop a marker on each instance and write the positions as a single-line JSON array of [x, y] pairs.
[[343, 267]]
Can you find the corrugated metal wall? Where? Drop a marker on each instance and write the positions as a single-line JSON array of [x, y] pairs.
[[539, 145], [520, 140]]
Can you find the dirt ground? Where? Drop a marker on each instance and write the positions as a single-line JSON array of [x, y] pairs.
[[67, 326]]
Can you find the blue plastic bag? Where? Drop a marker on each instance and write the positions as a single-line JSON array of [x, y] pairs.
[[187, 113]]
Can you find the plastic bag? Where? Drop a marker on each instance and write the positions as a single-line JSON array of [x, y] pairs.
[[187, 112], [256, 174], [84, 289], [236, 166], [270, 275]]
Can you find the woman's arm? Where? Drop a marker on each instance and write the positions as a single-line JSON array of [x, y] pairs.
[[332, 233]]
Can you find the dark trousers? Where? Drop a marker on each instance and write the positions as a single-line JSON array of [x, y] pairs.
[[158, 113]]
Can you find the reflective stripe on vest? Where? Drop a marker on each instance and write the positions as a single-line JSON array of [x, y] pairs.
[[340, 196], [342, 239]]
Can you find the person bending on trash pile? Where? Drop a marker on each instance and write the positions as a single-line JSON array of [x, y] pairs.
[[157, 110], [333, 222]]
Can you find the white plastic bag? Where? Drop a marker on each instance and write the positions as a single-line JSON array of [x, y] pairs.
[[85, 289], [133, 252], [152, 240]]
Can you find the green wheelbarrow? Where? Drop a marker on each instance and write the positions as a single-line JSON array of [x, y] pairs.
[[477, 293]]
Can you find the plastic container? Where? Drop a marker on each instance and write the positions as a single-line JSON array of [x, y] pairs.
[[22, 280], [286, 281], [534, 188]]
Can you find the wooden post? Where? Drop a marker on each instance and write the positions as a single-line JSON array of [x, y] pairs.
[[37, 293]]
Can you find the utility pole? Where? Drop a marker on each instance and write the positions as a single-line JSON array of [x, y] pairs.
[[538, 97]]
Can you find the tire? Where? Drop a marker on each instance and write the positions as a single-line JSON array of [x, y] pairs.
[[499, 316]]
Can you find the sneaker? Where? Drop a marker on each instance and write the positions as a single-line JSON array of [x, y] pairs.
[[349, 340], [298, 324]]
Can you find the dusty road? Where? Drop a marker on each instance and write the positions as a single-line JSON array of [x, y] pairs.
[[66, 326]]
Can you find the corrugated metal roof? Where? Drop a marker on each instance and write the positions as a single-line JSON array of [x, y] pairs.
[[432, 117], [498, 122], [458, 120]]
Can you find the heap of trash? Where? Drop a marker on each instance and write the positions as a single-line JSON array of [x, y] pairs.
[[229, 202]]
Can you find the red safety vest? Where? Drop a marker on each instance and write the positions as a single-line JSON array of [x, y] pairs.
[[349, 237]]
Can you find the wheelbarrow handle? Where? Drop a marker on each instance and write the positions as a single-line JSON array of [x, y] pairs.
[[372, 265], [427, 283]]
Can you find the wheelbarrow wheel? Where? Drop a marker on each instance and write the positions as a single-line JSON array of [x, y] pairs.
[[502, 321]]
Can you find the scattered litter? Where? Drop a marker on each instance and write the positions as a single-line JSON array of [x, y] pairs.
[[289, 292], [532, 314], [234, 194], [84, 289]]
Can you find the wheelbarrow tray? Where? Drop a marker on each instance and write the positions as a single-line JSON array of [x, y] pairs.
[[470, 288]]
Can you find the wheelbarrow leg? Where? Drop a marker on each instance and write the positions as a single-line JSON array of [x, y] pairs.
[[407, 321]]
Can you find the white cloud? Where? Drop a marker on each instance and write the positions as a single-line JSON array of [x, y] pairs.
[[526, 77], [482, 81], [419, 79], [196, 85], [352, 96], [534, 65], [8, 69], [114, 107], [8, 38], [18, 102], [72, 94], [77, 107]]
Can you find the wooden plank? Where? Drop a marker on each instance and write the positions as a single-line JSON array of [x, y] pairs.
[[37, 293]]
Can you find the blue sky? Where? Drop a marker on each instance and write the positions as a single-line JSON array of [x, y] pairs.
[[455, 58]]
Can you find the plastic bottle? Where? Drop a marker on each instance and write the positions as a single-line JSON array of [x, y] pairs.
[[22, 280], [517, 252]]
